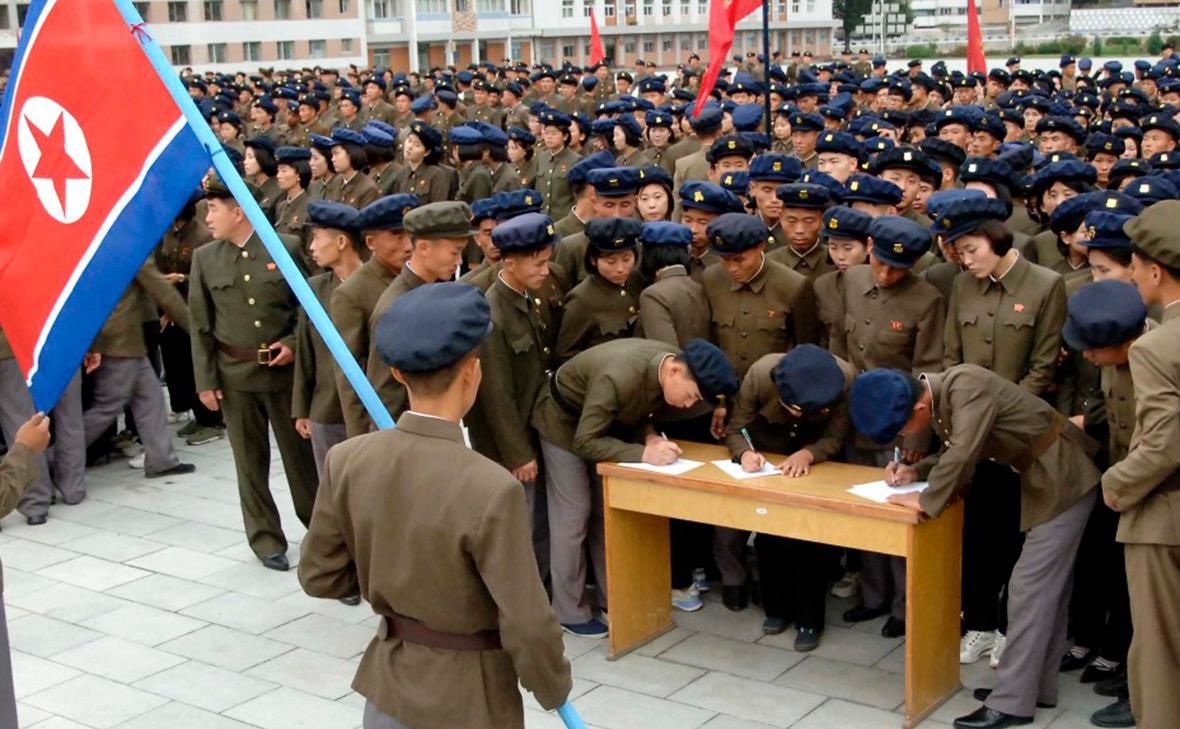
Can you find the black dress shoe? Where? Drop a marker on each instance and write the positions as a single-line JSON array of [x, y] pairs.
[[807, 639], [735, 597], [1117, 714], [1114, 687], [985, 718], [351, 600], [178, 470], [1096, 672], [862, 614], [1072, 662], [893, 628], [981, 694], [277, 562], [37, 520]]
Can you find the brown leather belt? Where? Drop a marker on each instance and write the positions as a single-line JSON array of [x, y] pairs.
[[260, 356], [1041, 444], [415, 631]]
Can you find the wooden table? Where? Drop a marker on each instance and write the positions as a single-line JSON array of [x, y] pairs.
[[815, 508]]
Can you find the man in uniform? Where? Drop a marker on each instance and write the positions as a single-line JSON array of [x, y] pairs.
[[804, 204], [768, 171], [243, 318], [702, 203], [461, 624], [375, 107], [1145, 486], [614, 197], [695, 166], [353, 302]]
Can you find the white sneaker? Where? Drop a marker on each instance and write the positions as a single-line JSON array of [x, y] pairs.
[[132, 450], [136, 462], [998, 649], [687, 601], [847, 586], [975, 645]]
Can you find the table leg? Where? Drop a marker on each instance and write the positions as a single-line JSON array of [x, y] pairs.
[[933, 566], [638, 577]]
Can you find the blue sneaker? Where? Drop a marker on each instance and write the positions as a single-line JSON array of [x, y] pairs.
[[700, 580], [687, 601], [593, 628]]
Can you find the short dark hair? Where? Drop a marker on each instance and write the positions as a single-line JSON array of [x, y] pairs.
[[327, 158], [528, 148], [378, 153], [265, 160], [497, 152], [590, 260], [302, 169], [656, 257], [1121, 254], [470, 152], [1172, 271], [436, 382], [998, 234], [356, 155]]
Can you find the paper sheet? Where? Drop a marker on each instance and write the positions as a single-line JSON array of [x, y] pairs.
[[679, 467], [880, 491], [734, 470]]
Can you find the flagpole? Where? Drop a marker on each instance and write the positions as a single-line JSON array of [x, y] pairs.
[[766, 66], [262, 226]]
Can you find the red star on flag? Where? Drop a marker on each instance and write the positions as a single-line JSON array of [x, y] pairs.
[[55, 164]]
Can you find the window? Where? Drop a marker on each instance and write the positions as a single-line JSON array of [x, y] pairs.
[[567, 50], [686, 43], [380, 9], [567, 8], [286, 50], [610, 10], [702, 42], [521, 7], [314, 8], [144, 10], [436, 7], [649, 8], [249, 9], [702, 7], [282, 9], [587, 9], [629, 46], [381, 58], [667, 8], [346, 45], [177, 12], [547, 49], [181, 55], [216, 53], [795, 7], [316, 48], [629, 8], [667, 44], [212, 9], [345, 7], [810, 7], [685, 8], [252, 51], [649, 46], [489, 6], [517, 50]]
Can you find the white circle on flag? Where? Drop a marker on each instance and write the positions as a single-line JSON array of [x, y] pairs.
[[56, 158]]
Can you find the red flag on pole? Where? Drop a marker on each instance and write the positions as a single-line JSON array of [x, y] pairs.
[[975, 58], [597, 53], [723, 18]]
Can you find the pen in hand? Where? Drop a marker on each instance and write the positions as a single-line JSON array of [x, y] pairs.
[[892, 473]]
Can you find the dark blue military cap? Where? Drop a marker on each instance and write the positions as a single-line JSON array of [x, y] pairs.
[[259, 141], [229, 117], [881, 403], [941, 150], [839, 142], [483, 209], [236, 158], [1066, 171], [775, 167], [517, 202], [965, 115], [351, 95], [731, 145], [423, 104], [430, 137], [321, 142], [899, 157], [802, 121], [1165, 161], [611, 235], [1068, 215], [614, 181], [815, 177], [344, 135], [590, 83], [528, 232], [1104, 229], [325, 214], [388, 213], [1067, 60], [382, 126], [376, 81], [1104, 314], [736, 182], [994, 172], [876, 145], [266, 104], [708, 197], [522, 135], [433, 326], [491, 133], [872, 190], [657, 119], [555, 118], [734, 233], [804, 195], [464, 77], [664, 233], [630, 124], [841, 221], [446, 96], [808, 378], [1112, 67], [654, 174], [376, 137], [466, 136], [1150, 190], [1065, 124], [1113, 201], [957, 216], [991, 124], [1102, 143], [898, 241], [747, 117], [708, 121], [576, 175], [711, 369], [286, 155], [603, 128]]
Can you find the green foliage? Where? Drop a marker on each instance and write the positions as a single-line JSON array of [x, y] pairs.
[[922, 50], [1155, 43], [851, 13], [1096, 47]]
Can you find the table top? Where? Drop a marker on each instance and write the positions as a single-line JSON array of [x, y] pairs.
[[825, 488]]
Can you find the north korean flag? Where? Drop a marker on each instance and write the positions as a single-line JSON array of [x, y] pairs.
[[96, 160]]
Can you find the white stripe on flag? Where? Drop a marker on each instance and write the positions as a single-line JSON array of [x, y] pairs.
[[13, 90]]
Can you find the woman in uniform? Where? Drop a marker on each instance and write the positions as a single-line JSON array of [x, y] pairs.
[[1052, 185], [520, 153], [322, 171], [423, 176], [258, 163], [654, 200], [628, 140], [659, 135], [846, 231], [349, 159], [605, 305]]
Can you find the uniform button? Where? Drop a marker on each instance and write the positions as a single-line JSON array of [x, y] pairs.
[[245, 254], [862, 347], [868, 322], [257, 324], [745, 311], [250, 301], [246, 277], [631, 309], [987, 340], [622, 293], [745, 356], [744, 335], [991, 313], [545, 350]]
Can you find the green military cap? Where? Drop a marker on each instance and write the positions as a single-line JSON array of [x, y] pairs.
[[215, 187], [448, 219], [1154, 232]]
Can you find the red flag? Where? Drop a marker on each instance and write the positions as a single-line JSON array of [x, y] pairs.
[[597, 53], [975, 58], [723, 18]]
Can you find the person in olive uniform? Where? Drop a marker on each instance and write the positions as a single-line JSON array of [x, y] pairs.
[[353, 301], [461, 625], [553, 163], [803, 206], [845, 233], [349, 160], [293, 175], [673, 308], [475, 181], [990, 416], [892, 319], [605, 305], [438, 233], [258, 165], [243, 316], [597, 407], [758, 307], [423, 175], [701, 203], [1145, 486], [793, 403], [611, 192]]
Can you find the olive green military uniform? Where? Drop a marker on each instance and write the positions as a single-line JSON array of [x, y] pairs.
[[320, 189], [299, 135], [813, 263], [391, 392], [462, 525], [1145, 488], [942, 276], [697, 265], [381, 111], [352, 307], [356, 124], [239, 303], [291, 219], [693, 166], [274, 133], [475, 183], [527, 172], [431, 183], [1042, 249], [384, 177], [313, 394], [829, 308], [270, 195], [357, 191], [569, 225], [635, 158], [486, 113], [678, 151], [674, 309], [505, 178], [1079, 381], [550, 180], [597, 311]]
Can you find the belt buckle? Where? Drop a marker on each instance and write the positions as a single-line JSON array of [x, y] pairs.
[[264, 355]]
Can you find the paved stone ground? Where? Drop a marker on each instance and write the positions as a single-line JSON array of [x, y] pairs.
[[143, 608]]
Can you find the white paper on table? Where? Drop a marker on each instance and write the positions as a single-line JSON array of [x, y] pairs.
[[734, 470], [675, 469], [880, 491]]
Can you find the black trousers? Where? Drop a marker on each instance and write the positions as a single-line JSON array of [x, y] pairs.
[[177, 354], [794, 577], [991, 545], [691, 542], [1100, 611]]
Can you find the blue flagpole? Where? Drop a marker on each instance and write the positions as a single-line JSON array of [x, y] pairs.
[[266, 232]]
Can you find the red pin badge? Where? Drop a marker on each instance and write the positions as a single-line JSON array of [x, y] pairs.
[[1018, 307]]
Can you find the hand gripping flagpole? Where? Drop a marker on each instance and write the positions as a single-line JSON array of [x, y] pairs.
[[274, 246], [266, 232]]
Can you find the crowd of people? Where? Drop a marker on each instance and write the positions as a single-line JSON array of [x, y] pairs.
[[969, 279]]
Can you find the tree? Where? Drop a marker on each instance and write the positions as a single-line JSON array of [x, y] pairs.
[[851, 13]]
